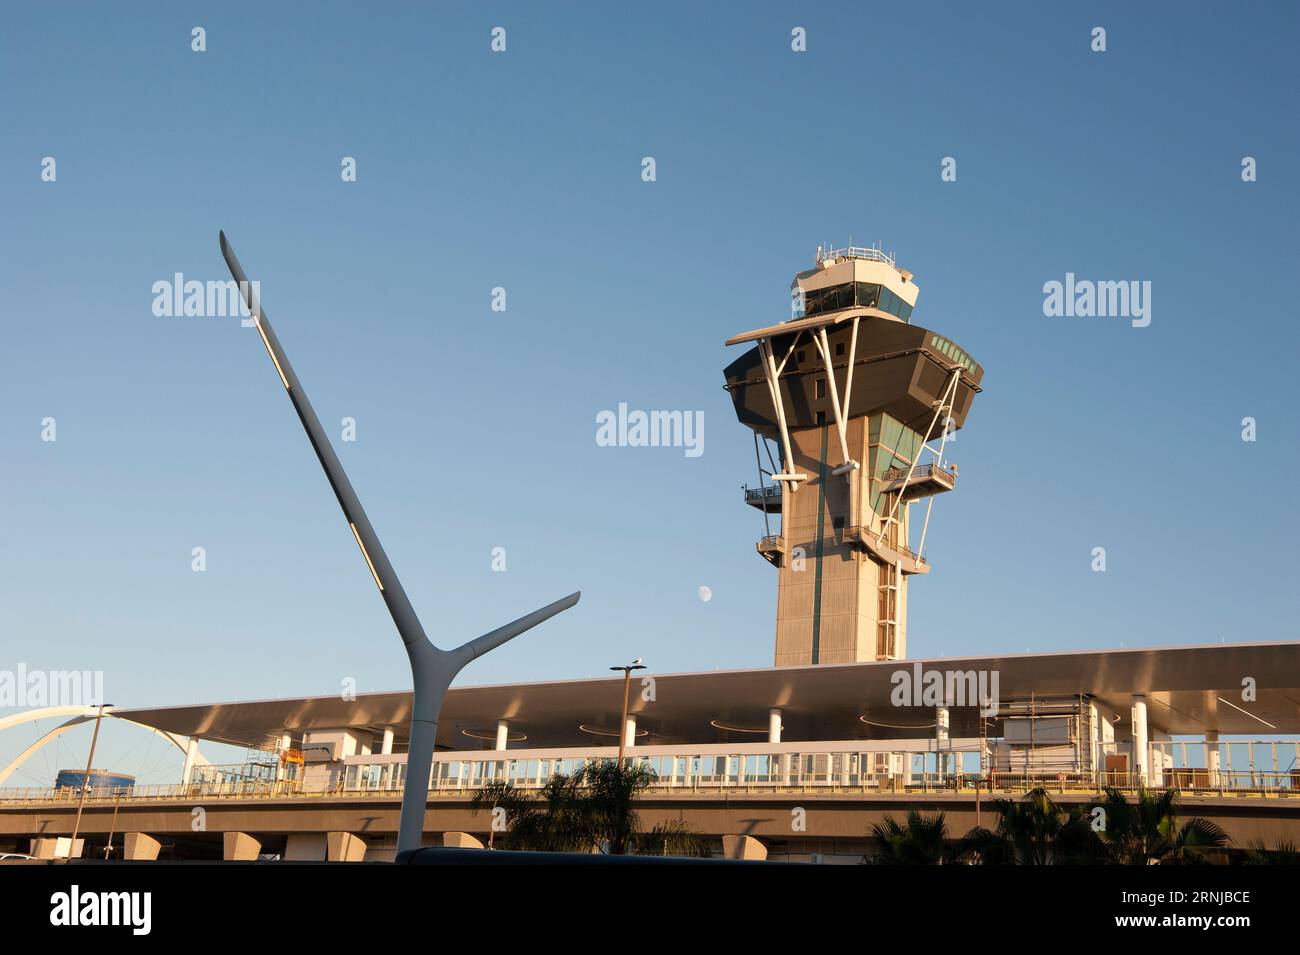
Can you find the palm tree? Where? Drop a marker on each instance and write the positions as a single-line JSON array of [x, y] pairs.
[[505, 798], [1147, 832], [984, 846], [1284, 853], [609, 789], [1032, 832], [673, 838], [922, 841], [579, 812], [1078, 843], [545, 821], [556, 821], [1026, 829]]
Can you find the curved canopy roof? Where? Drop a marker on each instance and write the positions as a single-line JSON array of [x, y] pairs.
[[1190, 690]]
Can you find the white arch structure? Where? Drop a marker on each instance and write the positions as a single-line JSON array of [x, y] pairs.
[[79, 715]]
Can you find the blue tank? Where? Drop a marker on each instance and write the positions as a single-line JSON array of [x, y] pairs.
[[99, 780]]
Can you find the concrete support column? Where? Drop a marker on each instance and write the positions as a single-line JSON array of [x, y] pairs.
[[1212, 756], [286, 743], [138, 846], [386, 744], [239, 847], [1141, 745], [942, 742], [191, 756], [344, 847], [304, 847], [1095, 759], [460, 840], [743, 847], [774, 736], [57, 847], [629, 731], [503, 735]]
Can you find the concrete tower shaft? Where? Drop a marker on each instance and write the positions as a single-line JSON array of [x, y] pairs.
[[836, 602]]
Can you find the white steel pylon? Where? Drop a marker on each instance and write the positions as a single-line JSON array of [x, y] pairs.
[[432, 668]]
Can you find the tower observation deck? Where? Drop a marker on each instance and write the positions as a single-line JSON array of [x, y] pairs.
[[851, 405]]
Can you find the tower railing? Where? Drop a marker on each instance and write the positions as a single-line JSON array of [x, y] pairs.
[[858, 252], [867, 533], [921, 471]]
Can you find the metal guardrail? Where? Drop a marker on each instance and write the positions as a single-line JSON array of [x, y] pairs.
[[727, 774], [1187, 782], [870, 536], [908, 552], [857, 252], [164, 791], [921, 471], [768, 492]]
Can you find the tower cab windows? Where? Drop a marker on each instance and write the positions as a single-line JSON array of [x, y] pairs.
[[855, 295]]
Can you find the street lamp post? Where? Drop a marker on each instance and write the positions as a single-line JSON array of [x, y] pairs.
[[85, 782], [627, 683]]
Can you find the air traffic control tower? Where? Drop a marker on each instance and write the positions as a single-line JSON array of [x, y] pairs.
[[851, 406]]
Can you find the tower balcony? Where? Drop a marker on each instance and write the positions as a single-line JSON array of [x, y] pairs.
[[767, 498], [900, 554], [927, 480], [773, 549]]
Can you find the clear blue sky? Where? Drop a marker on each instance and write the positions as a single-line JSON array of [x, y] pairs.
[[476, 429]]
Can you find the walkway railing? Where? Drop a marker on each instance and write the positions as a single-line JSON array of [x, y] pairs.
[[841, 772], [163, 791]]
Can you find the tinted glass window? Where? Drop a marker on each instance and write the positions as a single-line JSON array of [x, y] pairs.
[[868, 294], [828, 299]]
